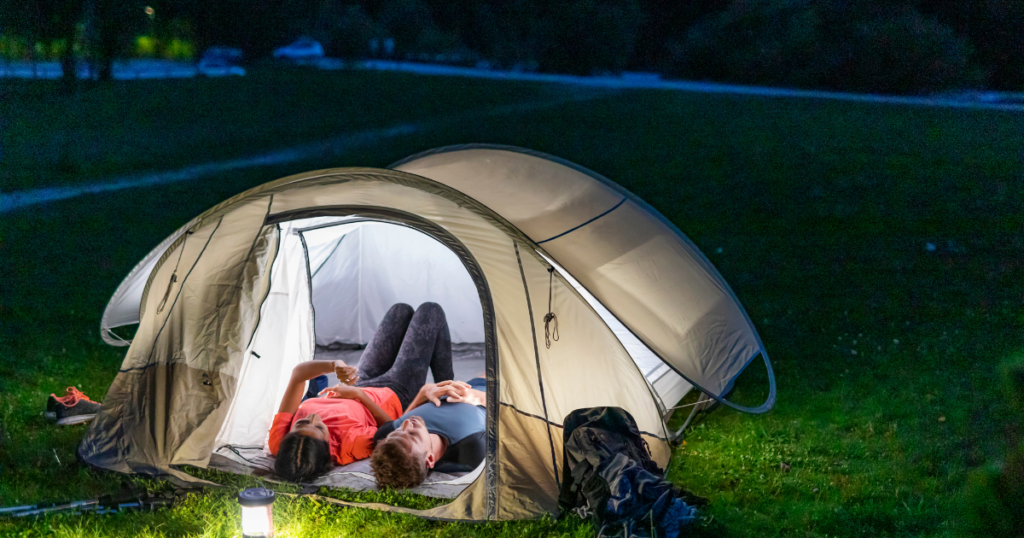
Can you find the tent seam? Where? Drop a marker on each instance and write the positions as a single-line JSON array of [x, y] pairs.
[[252, 248], [556, 425], [120, 291], [269, 271], [536, 354], [570, 230], [309, 287], [329, 256], [171, 309]]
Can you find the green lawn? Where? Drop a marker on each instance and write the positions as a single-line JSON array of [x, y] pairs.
[[49, 138], [818, 214]]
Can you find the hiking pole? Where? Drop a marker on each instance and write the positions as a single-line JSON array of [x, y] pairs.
[[94, 506], [10, 509], [33, 510]]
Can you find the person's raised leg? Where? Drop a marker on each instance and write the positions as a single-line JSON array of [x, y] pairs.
[[427, 344], [441, 360], [381, 352]]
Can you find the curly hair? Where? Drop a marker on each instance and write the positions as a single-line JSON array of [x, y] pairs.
[[395, 467], [301, 457]]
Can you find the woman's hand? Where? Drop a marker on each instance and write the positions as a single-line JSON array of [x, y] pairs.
[[345, 392], [346, 374]]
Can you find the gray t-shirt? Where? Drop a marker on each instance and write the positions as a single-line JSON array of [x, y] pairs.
[[462, 425]]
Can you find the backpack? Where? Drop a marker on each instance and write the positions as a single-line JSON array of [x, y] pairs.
[[609, 477]]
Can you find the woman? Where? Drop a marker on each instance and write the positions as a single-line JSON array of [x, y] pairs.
[[306, 436]]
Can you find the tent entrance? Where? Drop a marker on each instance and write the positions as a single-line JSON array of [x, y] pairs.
[[332, 280], [358, 270]]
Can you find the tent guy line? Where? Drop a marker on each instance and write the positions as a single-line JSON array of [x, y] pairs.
[[337, 146]]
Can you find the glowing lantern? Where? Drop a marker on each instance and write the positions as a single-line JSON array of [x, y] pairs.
[[257, 516]]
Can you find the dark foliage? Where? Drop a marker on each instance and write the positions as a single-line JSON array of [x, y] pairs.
[[885, 46], [816, 44], [664, 22], [996, 30], [589, 36]]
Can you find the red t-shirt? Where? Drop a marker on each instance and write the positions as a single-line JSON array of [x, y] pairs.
[[350, 425]]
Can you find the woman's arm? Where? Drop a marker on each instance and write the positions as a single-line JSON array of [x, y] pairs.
[[297, 384], [379, 414], [355, 393]]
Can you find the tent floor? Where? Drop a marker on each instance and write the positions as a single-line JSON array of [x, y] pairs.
[[467, 361], [355, 476]]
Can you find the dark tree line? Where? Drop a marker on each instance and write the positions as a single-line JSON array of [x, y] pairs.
[[878, 45], [102, 27]]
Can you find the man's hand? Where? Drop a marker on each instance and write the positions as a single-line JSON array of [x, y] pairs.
[[472, 397], [345, 392], [456, 391], [346, 374]]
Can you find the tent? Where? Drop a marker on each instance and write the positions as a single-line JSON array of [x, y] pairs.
[[226, 307]]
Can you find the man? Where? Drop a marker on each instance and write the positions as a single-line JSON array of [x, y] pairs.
[[443, 429]]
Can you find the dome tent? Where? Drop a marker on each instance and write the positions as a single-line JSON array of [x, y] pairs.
[[642, 316]]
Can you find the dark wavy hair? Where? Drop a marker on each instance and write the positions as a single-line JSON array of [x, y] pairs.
[[395, 467], [301, 458]]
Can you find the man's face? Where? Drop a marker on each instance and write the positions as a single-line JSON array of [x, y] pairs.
[[311, 426], [415, 438]]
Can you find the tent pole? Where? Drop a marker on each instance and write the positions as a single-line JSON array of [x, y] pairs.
[[678, 436]]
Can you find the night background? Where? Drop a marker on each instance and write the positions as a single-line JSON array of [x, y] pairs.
[[871, 221], [907, 47]]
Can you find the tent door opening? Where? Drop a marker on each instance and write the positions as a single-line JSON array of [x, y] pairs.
[[358, 270], [332, 281]]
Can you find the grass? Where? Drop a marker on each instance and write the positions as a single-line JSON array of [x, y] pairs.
[[819, 214], [52, 138]]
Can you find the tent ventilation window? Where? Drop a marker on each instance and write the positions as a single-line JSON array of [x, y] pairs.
[[550, 333]]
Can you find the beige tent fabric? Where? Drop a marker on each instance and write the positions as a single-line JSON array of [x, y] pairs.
[[581, 219], [649, 275], [167, 402], [539, 197], [200, 307], [610, 377], [528, 483], [643, 274]]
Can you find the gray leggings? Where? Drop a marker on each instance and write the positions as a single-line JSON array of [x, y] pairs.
[[404, 346]]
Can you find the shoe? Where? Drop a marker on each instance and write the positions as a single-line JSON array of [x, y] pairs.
[[73, 408], [71, 395]]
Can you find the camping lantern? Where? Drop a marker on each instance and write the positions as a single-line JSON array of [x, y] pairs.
[[257, 516]]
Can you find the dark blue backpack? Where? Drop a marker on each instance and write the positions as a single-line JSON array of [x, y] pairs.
[[609, 477]]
